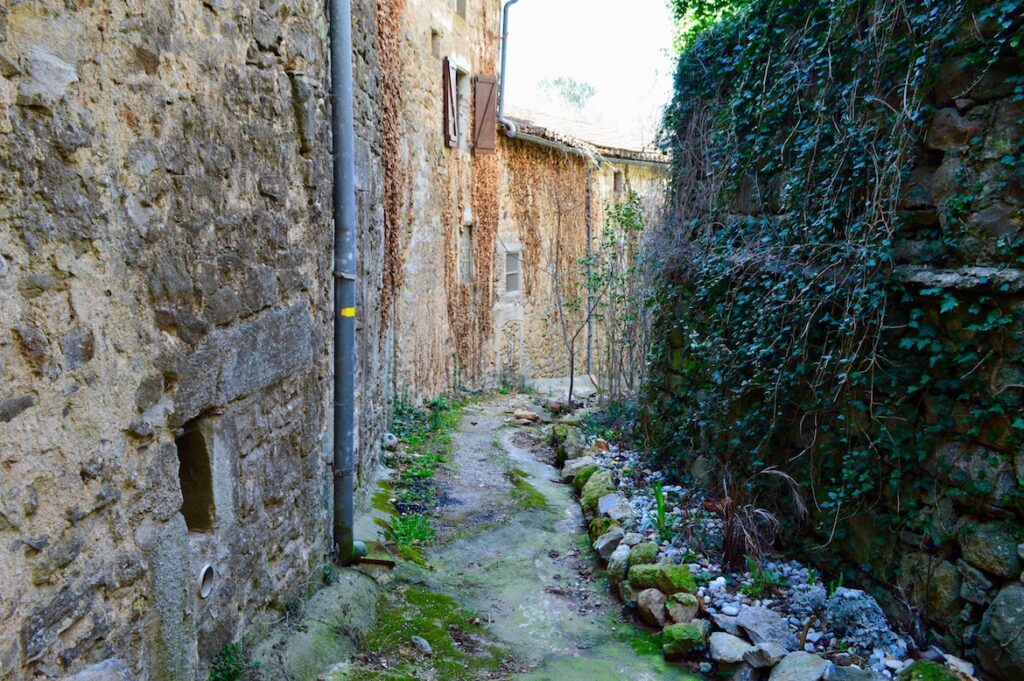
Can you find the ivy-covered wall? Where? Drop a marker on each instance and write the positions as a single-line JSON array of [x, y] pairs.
[[841, 294]]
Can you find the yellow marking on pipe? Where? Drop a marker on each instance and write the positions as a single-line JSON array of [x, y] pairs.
[[348, 312]]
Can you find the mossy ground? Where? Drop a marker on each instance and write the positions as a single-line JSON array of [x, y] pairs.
[[525, 496], [458, 640]]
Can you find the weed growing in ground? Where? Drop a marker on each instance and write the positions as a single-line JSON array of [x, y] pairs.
[[426, 447], [763, 582], [661, 521], [409, 533], [230, 664]]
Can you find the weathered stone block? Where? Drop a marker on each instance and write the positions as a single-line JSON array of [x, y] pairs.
[[45, 79], [991, 546], [244, 359], [108, 670], [45, 624], [950, 131], [12, 407], [651, 605]]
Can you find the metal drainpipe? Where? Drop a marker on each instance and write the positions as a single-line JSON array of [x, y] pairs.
[[590, 273], [344, 200], [510, 127]]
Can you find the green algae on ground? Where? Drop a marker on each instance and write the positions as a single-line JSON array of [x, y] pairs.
[[439, 620], [643, 642], [525, 496], [381, 500]]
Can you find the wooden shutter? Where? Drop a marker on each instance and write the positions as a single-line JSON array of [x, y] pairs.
[[485, 114], [451, 104]]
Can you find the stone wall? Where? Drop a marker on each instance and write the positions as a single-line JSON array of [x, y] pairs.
[[165, 236], [950, 569], [967, 586]]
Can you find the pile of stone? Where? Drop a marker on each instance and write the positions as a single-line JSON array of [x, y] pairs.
[[706, 617]]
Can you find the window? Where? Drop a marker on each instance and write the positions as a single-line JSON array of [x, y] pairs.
[[513, 267], [451, 104], [462, 101], [460, 8], [466, 255], [620, 183], [195, 473], [456, 105]]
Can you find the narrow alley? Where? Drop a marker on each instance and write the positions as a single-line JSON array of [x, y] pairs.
[[547, 340]]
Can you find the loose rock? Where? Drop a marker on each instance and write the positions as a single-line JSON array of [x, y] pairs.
[[643, 554], [651, 605], [800, 666], [727, 648], [682, 607], [763, 625], [673, 579], [422, 645], [1000, 640], [726, 623], [644, 576], [858, 619], [618, 564], [572, 468], [683, 639], [766, 654], [606, 544]]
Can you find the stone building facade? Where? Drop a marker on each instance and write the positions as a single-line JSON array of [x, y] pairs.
[[165, 301], [165, 244], [557, 187]]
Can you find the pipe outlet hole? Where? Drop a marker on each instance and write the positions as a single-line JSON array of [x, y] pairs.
[[206, 576]]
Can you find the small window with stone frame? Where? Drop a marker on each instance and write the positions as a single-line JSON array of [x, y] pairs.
[[466, 254], [513, 272]]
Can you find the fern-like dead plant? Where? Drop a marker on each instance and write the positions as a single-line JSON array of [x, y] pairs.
[[749, 528]]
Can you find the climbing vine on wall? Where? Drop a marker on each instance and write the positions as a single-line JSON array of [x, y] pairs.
[[786, 333]]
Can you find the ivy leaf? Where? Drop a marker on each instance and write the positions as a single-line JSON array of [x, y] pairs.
[[949, 303]]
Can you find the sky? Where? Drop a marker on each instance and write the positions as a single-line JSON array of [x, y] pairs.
[[621, 47]]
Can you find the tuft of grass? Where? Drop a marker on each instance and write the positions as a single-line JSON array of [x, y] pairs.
[[765, 582], [409, 533]]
